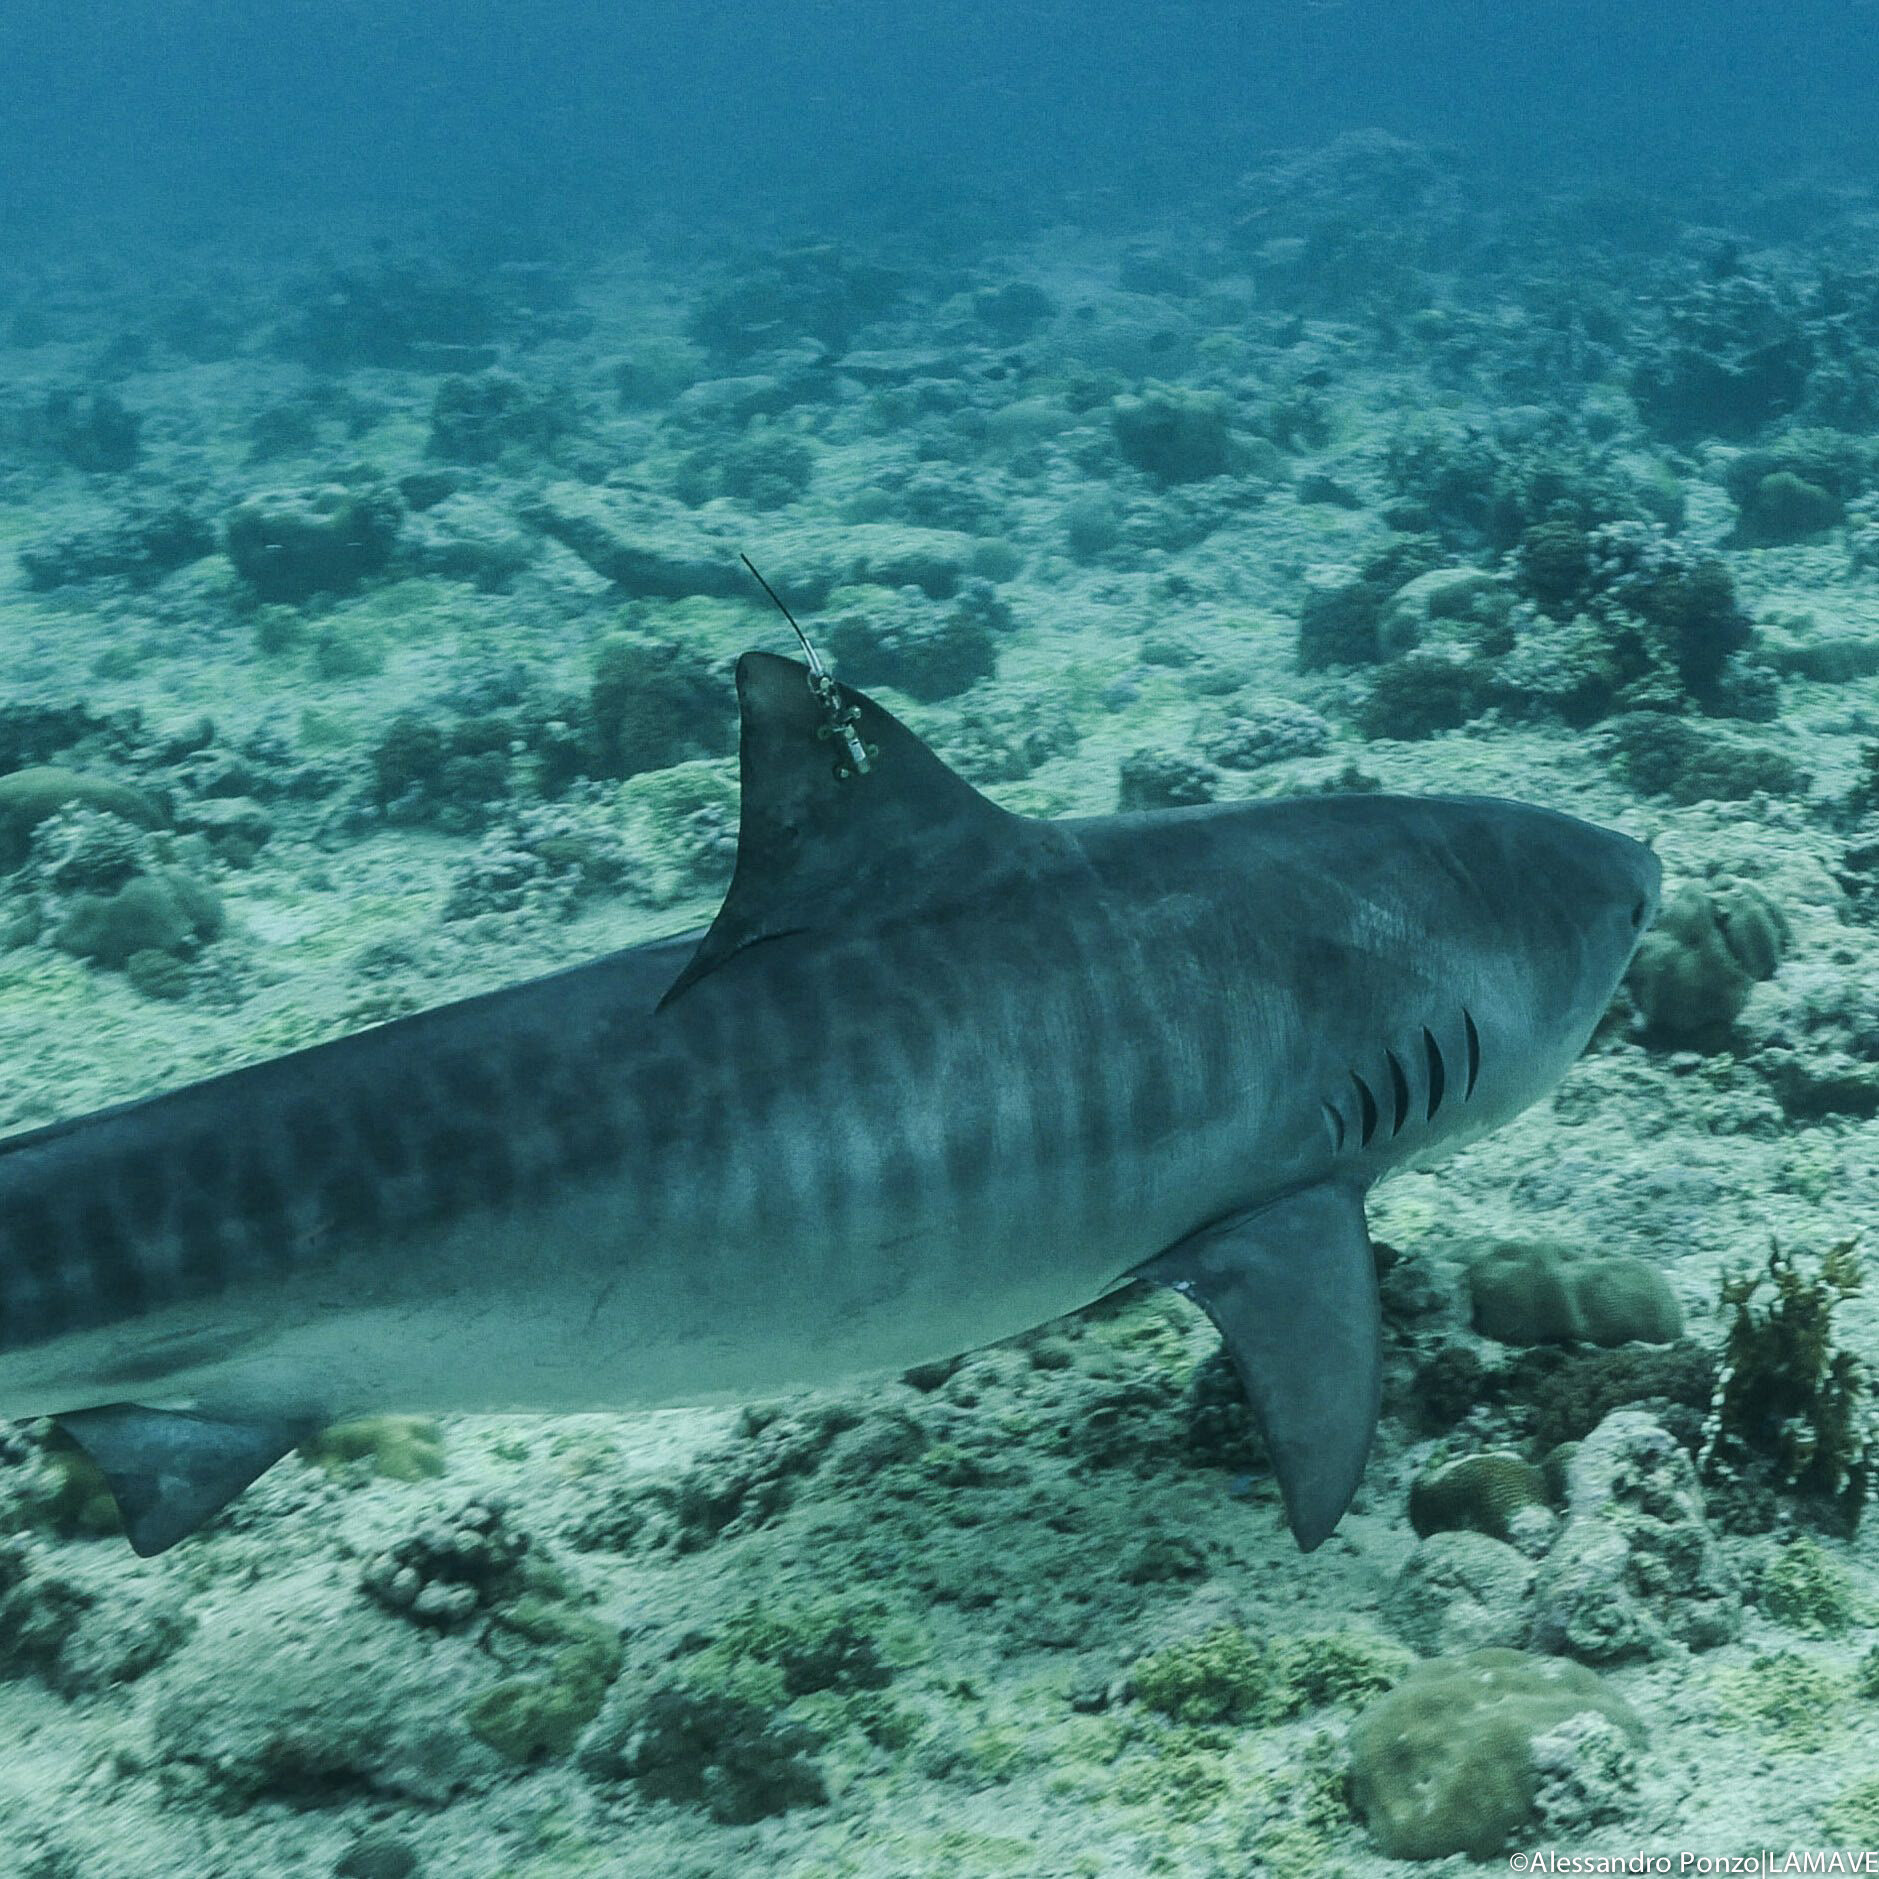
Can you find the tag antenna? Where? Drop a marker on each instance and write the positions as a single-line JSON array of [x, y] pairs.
[[838, 720]]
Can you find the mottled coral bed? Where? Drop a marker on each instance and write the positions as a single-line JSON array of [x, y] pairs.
[[368, 631]]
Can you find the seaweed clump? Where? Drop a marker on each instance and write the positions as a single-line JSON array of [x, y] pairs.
[[1792, 1406]]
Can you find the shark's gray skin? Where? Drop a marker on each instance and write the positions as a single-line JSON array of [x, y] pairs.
[[935, 1074]]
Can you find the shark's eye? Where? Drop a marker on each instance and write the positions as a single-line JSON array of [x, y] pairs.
[[1637, 915]]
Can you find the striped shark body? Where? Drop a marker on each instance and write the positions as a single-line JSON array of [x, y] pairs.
[[935, 1074]]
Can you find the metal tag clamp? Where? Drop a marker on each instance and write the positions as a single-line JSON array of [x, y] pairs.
[[838, 719]]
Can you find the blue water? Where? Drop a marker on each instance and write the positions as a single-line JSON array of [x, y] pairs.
[[596, 114]]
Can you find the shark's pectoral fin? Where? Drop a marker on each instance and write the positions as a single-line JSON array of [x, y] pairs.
[[1293, 1289], [170, 1471]]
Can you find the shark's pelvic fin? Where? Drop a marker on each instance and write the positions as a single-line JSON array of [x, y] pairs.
[[1292, 1287], [170, 1471], [818, 851]]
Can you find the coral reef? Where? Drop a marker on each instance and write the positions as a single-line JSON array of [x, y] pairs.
[[1173, 435], [1586, 1773], [814, 290], [899, 639], [1461, 1591], [1446, 1762], [278, 1701], [653, 705], [1731, 359], [766, 469], [1164, 779], [1668, 757], [1538, 1292], [1423, 693], [447, 1572], [165, 911], [1476, 1494], [88, 430], [1266, 732], [1569, 1393], [452, 774], [737, 1761], [1704, 954], [289, 545], [103, 888], [140, 546], [32, 796], [1355, 475], [1636, 1569], [77, 1633], [1002, 741], [1341, 616], [474, 420], [396, 311], [549, 859]]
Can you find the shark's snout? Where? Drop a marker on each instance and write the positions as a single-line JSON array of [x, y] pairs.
[[1637, 885], [1650, 888], [1594, 898], [1563, 904]]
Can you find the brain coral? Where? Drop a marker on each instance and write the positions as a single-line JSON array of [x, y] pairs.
[[1694, 969], [29, 797], [1539, 1292], [1445, 1763], [1476, 1494]]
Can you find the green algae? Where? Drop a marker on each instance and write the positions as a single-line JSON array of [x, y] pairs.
[[527, 1719], [769, 1654], [1791, 1702], [70, 1497], [397, 1448], [1854, 1816], [540, 1716], [1227, 1676], [1179, 1773], [1806, 1589]]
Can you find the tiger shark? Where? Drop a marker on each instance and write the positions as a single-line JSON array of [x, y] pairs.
[[936, 1073]]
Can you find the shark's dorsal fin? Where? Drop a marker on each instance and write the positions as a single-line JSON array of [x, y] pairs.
[[820, 850]]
